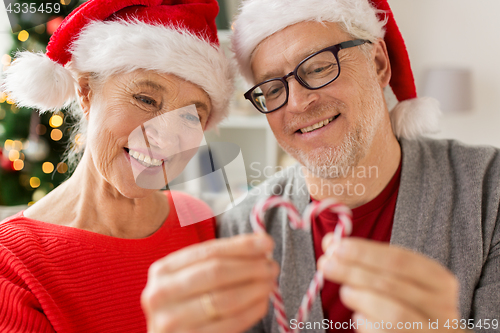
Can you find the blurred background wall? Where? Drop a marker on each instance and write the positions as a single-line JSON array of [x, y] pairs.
[[464, 34]]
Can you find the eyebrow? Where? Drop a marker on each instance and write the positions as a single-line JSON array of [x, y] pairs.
[[274, 74], [269, 75], [151, 84], [199, 105]]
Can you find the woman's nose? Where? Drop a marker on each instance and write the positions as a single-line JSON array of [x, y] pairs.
[[161, 135]]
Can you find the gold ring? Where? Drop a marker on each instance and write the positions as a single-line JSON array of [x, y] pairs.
[[207, 303]]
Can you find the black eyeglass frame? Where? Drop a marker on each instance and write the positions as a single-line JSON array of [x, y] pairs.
[[334, 49]]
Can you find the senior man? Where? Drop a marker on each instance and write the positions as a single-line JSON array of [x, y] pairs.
[[425, 251]]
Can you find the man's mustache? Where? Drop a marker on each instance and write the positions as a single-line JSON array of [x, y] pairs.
[[317, 112]]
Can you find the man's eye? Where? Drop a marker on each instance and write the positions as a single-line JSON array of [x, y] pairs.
[[274, 92], [316, 70], [320, 69]]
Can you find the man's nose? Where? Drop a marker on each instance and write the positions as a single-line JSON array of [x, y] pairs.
[[299, 97]]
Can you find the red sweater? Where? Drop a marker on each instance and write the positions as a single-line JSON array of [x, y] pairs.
[[61, 279], [372, 220]]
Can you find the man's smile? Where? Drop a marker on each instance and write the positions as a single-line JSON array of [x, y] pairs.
[[317, 125]]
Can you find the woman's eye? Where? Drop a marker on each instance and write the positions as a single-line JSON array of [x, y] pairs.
[[191, 118], [146, 100]]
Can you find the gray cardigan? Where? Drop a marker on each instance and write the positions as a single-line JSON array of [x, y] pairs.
[[447, 208]]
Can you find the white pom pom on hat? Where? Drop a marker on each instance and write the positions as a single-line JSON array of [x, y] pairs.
[[108, 36], [259, 19], [35, 81]]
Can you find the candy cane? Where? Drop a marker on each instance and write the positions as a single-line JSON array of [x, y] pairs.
[[343, 229]]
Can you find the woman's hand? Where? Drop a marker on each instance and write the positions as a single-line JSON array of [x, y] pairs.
[[217, 286]]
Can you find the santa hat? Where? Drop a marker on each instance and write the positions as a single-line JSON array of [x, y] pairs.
[[260, 19], [110, 36]]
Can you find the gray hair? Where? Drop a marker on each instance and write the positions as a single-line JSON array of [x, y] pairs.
[[78, 129]]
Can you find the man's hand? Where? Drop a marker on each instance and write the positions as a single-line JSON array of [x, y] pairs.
[[391, 284], [217, 286]]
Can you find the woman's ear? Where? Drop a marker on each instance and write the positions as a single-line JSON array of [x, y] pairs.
[[84, 94], [382, 63]]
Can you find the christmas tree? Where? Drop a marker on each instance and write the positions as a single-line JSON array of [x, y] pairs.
[[32, 145]]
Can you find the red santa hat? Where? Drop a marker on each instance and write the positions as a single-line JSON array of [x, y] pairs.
[[367, 19], [110, 36]]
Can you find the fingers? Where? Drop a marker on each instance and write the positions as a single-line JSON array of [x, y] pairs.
[[250, 245], [219, 285], [207, 276], [238, 323], [387, 313], [390, 285], [400, 262], [225, 303]]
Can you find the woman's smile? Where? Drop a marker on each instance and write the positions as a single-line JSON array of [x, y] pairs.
[[145, 159]]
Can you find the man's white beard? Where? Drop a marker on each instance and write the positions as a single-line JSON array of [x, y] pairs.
[[339, 161], [332, 162]]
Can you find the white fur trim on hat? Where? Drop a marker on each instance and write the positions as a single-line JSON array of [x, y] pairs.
[[120, 46], [111, 46], [414, 117], [260, 19]]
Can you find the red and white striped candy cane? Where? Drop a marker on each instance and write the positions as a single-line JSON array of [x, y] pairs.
[[343, 228], [257, 222]]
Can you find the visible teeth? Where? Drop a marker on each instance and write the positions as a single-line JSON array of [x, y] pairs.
[[144, 160], [317, 125], [307, 129]]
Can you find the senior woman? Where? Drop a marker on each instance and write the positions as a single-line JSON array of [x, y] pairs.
[[147, 77]]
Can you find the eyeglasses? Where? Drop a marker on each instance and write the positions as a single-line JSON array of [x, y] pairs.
[[314, 72]]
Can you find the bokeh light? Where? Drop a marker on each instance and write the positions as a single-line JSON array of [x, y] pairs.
[[23, 36], [56, 134], [13, 155], [34, 182], [47, 167], [62, 167], [6, 59], [18, 165], [18, 145], [8, 144], [56, 121], [38, 194]]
